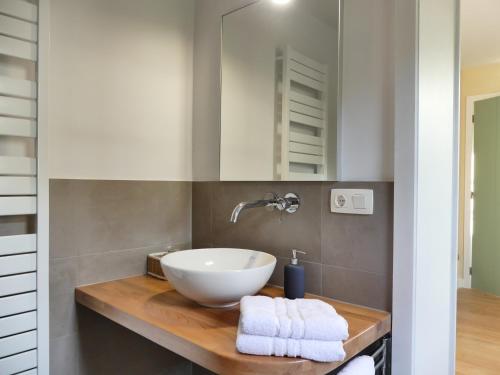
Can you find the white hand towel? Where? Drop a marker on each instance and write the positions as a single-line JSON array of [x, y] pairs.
[[308, 319], [363, 365], [316, 350]]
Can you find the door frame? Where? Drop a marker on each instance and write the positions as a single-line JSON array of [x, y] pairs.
[[469, 149], [426, 81]]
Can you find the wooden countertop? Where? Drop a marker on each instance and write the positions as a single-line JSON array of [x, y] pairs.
[[153, 309]]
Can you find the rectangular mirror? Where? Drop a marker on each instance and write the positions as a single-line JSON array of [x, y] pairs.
[[279, 82]]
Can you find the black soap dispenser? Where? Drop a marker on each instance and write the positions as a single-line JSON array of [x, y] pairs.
[[294, 277]]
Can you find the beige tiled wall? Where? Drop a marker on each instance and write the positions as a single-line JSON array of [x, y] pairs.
[[102, 230], [348, 256]]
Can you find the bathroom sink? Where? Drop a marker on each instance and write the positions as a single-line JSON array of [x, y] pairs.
[[218, 277]]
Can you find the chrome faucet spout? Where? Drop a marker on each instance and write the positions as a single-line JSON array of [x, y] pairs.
[[290, 202], [246, 205]]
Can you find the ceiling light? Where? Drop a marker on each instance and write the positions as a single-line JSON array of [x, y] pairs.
[[281, 2]]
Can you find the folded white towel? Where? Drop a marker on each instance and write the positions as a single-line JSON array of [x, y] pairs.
[[316, 350], [363, 365], [309, 319]]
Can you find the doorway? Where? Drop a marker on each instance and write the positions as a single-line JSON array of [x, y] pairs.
[[480, 118], [478, 295], [485, 207]]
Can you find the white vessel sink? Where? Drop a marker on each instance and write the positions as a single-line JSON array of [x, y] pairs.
[[218, 277]]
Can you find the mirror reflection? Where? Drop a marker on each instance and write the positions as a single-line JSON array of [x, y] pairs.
[[279, 91]]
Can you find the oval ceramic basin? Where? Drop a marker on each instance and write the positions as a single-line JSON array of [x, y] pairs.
[[218, 277]]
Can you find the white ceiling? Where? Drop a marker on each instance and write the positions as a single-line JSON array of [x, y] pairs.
[[480, 32]]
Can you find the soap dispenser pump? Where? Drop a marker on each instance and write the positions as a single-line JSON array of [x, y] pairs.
[[294, 277]]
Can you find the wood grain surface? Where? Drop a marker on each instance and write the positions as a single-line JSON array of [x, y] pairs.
[[478, 333], [206, 336]]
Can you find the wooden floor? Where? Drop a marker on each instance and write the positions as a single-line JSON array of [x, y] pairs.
[[478, 333]]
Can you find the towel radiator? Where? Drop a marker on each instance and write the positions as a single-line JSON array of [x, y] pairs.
[[303, 122], [18, 187], [380, 351], [380, 357]]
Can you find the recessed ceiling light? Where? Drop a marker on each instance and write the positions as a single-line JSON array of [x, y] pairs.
[[281, 2]]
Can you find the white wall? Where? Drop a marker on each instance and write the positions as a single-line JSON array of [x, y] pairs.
[[120, 90], [367, 131], [206, 95], [437, 186], [425, 188], [163, 130]]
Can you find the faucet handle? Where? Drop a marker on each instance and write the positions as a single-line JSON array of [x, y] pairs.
[[292, 202], [271, 197]]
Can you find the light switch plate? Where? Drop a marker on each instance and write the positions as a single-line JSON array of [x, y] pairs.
[[351, 201]]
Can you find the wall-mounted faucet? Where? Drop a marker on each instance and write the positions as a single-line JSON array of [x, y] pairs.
[[290, 203]]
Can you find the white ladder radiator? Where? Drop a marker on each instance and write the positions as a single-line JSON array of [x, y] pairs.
[[304, 114], [18, 184]]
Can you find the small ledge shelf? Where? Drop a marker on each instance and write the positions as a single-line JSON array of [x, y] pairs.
[[153, 309]]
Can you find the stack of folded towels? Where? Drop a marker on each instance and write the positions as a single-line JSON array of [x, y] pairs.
[[307, 328]]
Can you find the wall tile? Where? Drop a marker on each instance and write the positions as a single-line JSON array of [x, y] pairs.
[[63, 275], [97, 268], [362, 242], [124, 215], [265, 230], [202, 215], [358, 287], [64, 201], [100, 216], [103, 230], [63, 321], [355, 245], [108, 348], [64, 355]]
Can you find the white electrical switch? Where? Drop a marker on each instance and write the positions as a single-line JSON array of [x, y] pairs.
[[358, 201], [351, 201]]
